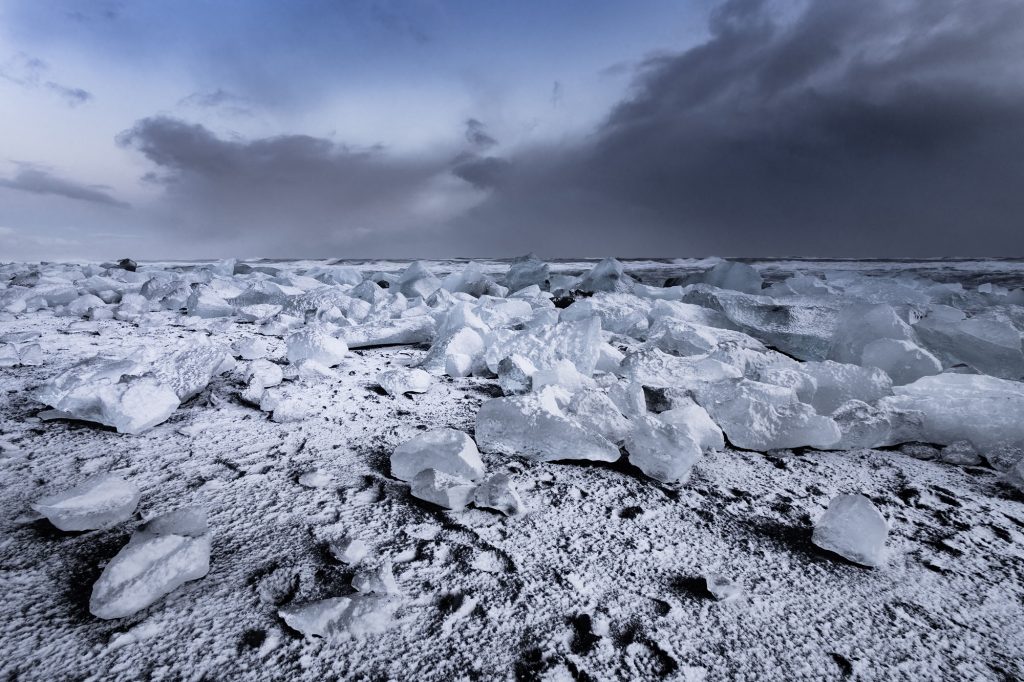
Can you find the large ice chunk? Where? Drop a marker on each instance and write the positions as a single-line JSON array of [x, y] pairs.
[[860, 324], [579, 342], [989, 346], [596, 412], [661, 450], [526, 271], [114, 392], [99, 502], [461, 341], [868, 426], [984, 410], [758, 416], [152, 564], [619, 313], [655, 369], [417, 280], [730, 275], [835, 383], [205, 302], [695, 420], [405, 330], [853, 528], [534, 426], [314, 343], [189, 370], [446, 450], [904, 361]]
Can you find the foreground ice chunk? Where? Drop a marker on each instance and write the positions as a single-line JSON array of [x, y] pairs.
[[461, 341], [515, 374], [854, 529], [695, 420], [399, 381], [446, 450], [904, 361], [534, 426], [341, 618], [444, 490], [619, 313], [99, 502], [869, 426], [835, 383], [116, 393], [983, 410], [188, 371], [757, 416], [596, 412], [721, 588], [661, 450], [314, 343], [498, 493], [564, 374], [152, 564], [579, 342]]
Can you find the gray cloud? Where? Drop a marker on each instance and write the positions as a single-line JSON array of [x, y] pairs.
[[221, 100], [39, 181], [293, 194], [869, 128], [29, 72], [477, 136]]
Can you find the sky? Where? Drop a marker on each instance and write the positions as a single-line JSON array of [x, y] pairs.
[[484, 128]]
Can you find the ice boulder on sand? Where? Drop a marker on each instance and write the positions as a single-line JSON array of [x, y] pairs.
[[983, 410], [580, 342], [117, 393], [158, 559], [870, 426], [498, 493], [694, 419], [100, 502], [596, 412], [757, 416], [341, 618], [446, 450], [399, 381], [444, 490], [534, 426], [854, 529], [314, 343], [661, 450]]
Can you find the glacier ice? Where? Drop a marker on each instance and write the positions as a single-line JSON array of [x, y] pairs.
[[446, 450], [399, 381], [904, 361], [314, 343], [155, 562], [853, 528], [661, 450], [378, 580], [536, 427], [98, 502], [499, 493], [341, 618], [444, 490]]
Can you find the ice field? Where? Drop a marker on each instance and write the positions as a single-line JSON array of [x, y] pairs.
[[566, 470]]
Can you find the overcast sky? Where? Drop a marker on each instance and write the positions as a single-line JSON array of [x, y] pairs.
[[431, 128]]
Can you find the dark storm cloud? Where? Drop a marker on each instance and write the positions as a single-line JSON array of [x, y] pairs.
[[39, 181], [287, 195], [476, 135], [877, 127]]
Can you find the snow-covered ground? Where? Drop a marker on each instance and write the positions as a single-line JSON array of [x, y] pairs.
[[658, 445]]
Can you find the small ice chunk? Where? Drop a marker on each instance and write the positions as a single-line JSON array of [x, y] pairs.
[[458, 365], [265, 373], [284, 408], [379, 580], [348, 550], [341, 617], [721, 588], [608, 275], [853, 528], [315, 479], [515, 374], [205, 302], [314, 343], [446, 450], [498, 492], [534, 426], [661, 450], [99, 502], [399, 381], [413, 329], [252, 348], [444, 490], [148, 567]]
